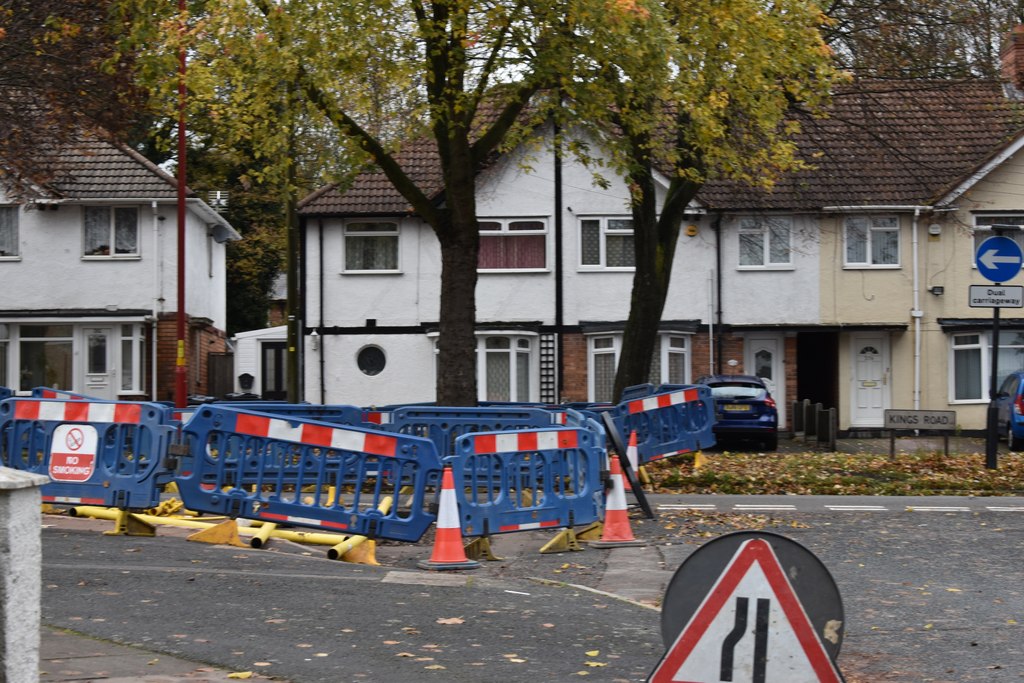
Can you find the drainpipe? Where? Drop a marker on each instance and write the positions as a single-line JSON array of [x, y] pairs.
[[158, 297], [320, 305], [916, 312], [559, 274], [716, 225]]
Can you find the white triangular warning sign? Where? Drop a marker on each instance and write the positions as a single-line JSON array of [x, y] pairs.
[[750, 628]]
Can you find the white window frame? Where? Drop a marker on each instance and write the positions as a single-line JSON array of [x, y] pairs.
[[17, 339], [6, 375], [875, 226], [514, 349], [506, 232], [604, 232], [13, 211], [984, 344], [395, 233], [131, 341], [112, 210], [665, 351], [982, 231], [768, 231]]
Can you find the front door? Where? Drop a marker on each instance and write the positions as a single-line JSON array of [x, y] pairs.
[[100, 368], [763, 356], [869, 353], [273, 371]]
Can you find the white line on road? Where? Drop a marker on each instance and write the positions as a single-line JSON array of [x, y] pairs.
[[746, 508], [857, 508], [1005, 509], [937, 508], [701, 506]]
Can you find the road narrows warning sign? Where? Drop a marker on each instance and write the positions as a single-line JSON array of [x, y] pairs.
[[750, 628]]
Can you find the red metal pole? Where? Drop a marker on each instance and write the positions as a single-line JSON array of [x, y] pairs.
[[181, 368]]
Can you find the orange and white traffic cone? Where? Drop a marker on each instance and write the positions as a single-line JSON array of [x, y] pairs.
[[449, 552], [616, 532]]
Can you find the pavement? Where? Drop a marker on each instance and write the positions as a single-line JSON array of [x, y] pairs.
[[97, 587]]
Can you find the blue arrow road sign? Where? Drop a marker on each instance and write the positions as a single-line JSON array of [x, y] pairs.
[[999, 259]]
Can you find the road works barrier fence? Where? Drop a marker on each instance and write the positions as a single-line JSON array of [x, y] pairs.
[[343, 468]]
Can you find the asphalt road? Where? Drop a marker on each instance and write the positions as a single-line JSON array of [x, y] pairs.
[[931, 594]]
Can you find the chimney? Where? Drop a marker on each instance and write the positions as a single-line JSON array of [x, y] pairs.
[[1012, 57]]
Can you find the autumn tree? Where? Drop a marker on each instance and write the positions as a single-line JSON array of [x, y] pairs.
[[920, 38], [60, 73], [708, 98], [460, 72]]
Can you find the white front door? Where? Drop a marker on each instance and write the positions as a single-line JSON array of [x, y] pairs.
[[100, 379], [869, 353], [763, 357]]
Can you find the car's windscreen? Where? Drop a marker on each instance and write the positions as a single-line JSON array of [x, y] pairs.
[[737, 392]]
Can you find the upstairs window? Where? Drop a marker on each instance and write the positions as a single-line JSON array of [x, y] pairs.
[[371, 246], [111, 231], [606, 243], [765, 242], [872, 241], [8, 232], [513, 245]]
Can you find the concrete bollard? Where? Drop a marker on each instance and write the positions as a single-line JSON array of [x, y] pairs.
[[20, 575]]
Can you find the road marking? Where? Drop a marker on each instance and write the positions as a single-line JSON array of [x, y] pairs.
[[748, 508], [698, 506], [1005, 509], [937, 508], [856, 508]]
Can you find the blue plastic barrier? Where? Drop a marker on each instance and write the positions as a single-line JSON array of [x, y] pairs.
[[6, 393], [671, 420], [46, 392], [530, 479], [288, 470], [443, 425], [95, 453]]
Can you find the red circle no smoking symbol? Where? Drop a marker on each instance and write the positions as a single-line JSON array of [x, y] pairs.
[[74, 439]]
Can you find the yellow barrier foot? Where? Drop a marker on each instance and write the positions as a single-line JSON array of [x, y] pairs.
[[699, 460], [480, 549], [225, 533], [564, 541], [130, 524], [50, 509], [591, 533], [171, 487], [166, 508], [645, 479], [364, 553]]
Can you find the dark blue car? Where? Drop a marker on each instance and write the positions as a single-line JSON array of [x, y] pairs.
[[744, 408], [1010, 410]]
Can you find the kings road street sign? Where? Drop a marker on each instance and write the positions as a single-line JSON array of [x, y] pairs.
[[999, 259], [751, 625]]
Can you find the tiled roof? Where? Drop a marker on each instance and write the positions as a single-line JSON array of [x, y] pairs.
[[883, 143], [94, 168], [888, 143], [371, 193]]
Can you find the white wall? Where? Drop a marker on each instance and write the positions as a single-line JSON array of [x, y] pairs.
[[408, 376]]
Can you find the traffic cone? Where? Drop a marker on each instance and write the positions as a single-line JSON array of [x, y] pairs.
[[448, 550], [616, 532]]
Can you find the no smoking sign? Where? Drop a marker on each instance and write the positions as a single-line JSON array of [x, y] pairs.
[[73, 452]]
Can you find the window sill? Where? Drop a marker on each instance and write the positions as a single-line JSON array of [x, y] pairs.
[[501, 271], [781, 267], [371, 272], [602, 269], [10, 258], [868, 266], [968, 402], [124, 257]]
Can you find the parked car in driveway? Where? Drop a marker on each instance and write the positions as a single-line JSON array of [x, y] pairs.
[[744, 409], [1010, 410]]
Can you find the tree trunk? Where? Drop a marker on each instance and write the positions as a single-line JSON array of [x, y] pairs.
[[460, 247]]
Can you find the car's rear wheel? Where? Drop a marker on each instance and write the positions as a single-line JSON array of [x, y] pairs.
[[1014, 443]]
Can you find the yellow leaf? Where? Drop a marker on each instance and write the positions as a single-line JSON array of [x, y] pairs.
[[593, 653], [596, 664], [954, 590], [240, 674]]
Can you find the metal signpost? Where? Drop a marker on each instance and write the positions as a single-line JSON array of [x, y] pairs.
[[998, 259]]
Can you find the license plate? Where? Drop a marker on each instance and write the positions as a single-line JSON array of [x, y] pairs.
[[735, 408]]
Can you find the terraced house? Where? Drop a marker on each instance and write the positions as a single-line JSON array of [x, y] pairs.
[[847, 284], [88, 259]]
